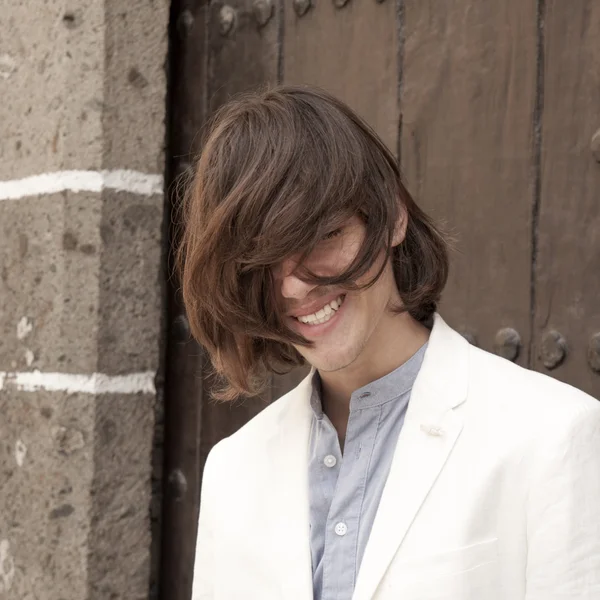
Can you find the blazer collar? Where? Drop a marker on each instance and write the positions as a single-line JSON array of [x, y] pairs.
[[287, 495], [430, 429]]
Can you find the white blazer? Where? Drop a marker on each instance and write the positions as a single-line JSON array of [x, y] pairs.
[[493, 493]]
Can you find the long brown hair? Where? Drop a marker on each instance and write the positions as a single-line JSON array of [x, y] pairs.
[[279, 170]]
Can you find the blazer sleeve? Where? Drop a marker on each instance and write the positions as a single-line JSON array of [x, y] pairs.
[[203, 586], [563, 529]]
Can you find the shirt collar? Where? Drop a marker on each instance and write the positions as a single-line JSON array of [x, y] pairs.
[[378, 392]]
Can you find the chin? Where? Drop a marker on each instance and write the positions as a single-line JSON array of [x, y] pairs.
[[331, 361]]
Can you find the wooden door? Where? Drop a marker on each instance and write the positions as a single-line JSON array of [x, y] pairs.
[[566, 242], [492, 110], [468, 96]]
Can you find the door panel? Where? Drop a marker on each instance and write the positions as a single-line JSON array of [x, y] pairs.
[[567, 265], [468, 94], [351, 52]]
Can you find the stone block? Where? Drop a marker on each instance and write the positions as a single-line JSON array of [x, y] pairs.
[[44, 521], [75, 520], [119, 545], [130, 282], [135, 84], [80, 282], [49, 265], [51, 82], [83, 86]]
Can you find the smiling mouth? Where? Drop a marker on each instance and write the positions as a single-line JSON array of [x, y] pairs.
[[324, 314]]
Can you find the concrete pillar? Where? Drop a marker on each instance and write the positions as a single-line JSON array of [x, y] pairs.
[[82, 108]]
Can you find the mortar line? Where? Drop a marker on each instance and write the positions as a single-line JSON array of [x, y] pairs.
[[72, 383], [122, 180]]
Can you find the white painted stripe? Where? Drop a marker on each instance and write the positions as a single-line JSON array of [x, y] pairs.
[[96, 383], [82, 181]]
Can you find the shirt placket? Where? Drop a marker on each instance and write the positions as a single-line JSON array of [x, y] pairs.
[[343, 519]]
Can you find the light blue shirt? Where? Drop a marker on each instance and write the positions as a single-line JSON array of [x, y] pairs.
[[344, 493]]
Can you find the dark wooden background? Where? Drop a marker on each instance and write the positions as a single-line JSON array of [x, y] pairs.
[[492, 109]]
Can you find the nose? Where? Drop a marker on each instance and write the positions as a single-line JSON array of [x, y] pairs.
[[291, 286]]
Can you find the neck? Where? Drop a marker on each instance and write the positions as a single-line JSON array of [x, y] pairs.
[[395, 340]]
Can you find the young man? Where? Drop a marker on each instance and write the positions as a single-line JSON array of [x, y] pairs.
[[408, 465]]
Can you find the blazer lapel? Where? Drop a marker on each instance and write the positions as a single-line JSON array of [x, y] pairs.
[[429, 433], [287, 499]]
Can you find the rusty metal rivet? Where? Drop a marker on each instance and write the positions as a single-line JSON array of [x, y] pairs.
[[177, 484], [554, 349], [340, 3], [595, 145], [507, 343], [594, 353], [263, 11], [226, 19], [301, 7], [185, 22]]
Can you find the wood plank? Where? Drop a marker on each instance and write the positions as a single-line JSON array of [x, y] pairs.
[[184, 358], [352, 53], [567, 283], [467, 96], [208, 66], [247, 56]]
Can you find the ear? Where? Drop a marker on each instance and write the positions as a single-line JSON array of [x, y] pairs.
[[400, 229]]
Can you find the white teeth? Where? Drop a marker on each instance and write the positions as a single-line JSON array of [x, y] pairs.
[[323, 315]]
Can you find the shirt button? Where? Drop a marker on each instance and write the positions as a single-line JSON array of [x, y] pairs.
[[341, 529], [330, 460]]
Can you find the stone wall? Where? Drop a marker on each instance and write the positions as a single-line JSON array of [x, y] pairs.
[[82, 129]]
